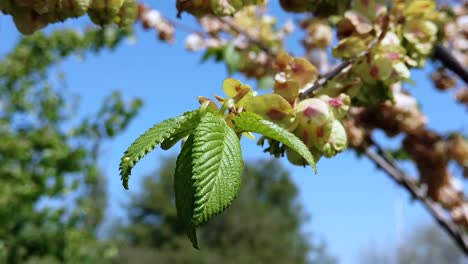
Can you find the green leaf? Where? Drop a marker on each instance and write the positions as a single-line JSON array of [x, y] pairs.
[[217, 167], [217, 53], [170, 142], [266, 82], [152, 138], [184, 190], [233, 58], [250, 122]]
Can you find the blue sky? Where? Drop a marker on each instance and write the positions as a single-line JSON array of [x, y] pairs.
[[351, 203]]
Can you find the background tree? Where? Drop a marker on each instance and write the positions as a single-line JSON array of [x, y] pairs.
[[53, 194], [262, 226], [426, 244]]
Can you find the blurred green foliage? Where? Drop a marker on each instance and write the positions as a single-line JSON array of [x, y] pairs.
[[52, 194], [263, 225]]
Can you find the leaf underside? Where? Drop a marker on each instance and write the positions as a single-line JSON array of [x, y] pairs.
[[250, 122], [183, 187], [154, 136]]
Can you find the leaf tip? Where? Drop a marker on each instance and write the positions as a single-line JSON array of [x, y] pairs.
[[315, 169], [192, 234], [125, 171], [124, 178]]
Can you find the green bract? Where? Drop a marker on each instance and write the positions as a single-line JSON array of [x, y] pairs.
[[271, 107], [336, 142], [313, 112]]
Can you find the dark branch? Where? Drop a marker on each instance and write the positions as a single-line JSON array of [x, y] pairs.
[[442, 54], [325, 78], [389, 166]]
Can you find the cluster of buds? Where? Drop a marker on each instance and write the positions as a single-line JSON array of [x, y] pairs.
[[422, 25], [443, 80], [432, 154], [369, 81], [456, 33], [393, 40], [316, 121], [201, 8], [210, 38], [152, 19], [31, 15], [248, 27], [358, 27], [458, 151], [319, 36], [401, 116], [462, 96]]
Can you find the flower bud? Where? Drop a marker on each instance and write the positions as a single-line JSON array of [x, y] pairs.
[[194, 42], [287, 88], [339, 105], [271, 107], [313, 111], [458, 150], [460, 215], [337, 140]]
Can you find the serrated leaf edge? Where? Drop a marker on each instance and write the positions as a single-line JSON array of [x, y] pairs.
[[274, 127], [143, 145]]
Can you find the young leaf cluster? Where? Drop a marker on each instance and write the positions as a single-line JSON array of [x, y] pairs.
[[209, 167]]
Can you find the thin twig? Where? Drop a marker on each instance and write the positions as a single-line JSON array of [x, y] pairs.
[[251, 38], [337, 70], [389, 166], [186, 28], [326, 78]]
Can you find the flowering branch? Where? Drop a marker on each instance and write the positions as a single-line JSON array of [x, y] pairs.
[[246, 34], [385, 162]]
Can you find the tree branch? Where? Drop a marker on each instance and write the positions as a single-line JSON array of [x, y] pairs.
[[390, 167], [442, 54], [251, 38], [337, 70], [327, 77]]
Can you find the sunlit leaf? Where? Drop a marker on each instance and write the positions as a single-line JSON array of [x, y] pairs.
[[152, 138], [250, 122], [217, 167]]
